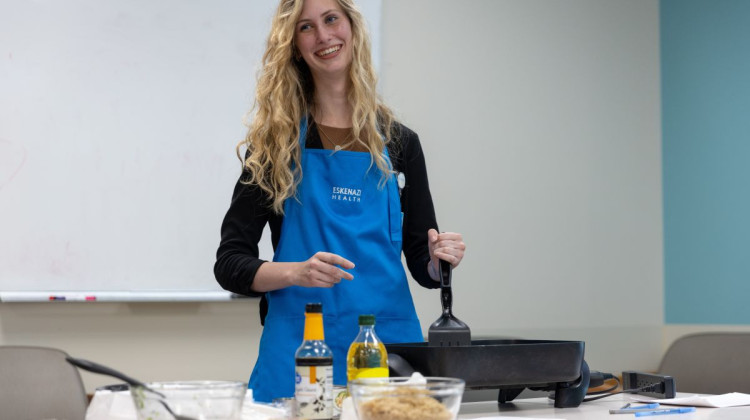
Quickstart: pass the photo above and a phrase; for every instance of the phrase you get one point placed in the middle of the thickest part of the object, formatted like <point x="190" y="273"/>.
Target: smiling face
<point x="323" y="37"/>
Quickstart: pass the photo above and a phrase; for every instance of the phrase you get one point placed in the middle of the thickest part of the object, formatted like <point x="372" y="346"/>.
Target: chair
<point x="709" y="363"/>
<point x="37" y="383"/>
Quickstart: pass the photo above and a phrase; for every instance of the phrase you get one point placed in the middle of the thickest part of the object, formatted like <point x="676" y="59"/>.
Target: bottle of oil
<point x="313" y="389"/>
<point x="367" y="357"/>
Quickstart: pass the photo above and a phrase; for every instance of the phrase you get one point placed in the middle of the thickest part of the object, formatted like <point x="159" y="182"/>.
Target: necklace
<point x="336" y="146"/>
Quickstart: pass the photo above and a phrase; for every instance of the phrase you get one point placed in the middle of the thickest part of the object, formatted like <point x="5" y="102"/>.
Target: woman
<point x="334" y="176"/>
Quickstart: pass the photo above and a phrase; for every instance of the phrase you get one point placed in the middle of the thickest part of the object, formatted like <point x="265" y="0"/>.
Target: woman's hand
<point x="322" y="270"/>
<point x="448" y="246"/>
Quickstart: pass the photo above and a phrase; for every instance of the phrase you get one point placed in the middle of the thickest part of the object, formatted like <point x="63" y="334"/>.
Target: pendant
<point x="337" y="148"/>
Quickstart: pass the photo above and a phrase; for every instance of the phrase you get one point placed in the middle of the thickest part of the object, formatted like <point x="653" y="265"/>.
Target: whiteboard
<point x="118" y="121"/>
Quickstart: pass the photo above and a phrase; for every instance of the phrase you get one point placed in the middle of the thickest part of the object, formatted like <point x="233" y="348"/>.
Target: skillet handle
<point x="446" y="293"/>
<point x="398" y="366"/>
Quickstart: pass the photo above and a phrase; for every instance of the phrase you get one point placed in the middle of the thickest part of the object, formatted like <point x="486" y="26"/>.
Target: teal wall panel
<point x="705" y="61"/>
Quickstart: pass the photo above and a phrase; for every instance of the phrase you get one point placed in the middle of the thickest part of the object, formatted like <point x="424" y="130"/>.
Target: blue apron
<point x="341" y="210"/>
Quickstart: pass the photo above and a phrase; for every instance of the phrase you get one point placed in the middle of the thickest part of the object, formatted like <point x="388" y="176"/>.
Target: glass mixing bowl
<point x="196" y="399"/>
<point x="400" y="398"/>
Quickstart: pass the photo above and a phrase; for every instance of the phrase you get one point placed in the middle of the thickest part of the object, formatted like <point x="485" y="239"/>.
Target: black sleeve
<point x="237" y="257"/>
<point x="416" y="203"/>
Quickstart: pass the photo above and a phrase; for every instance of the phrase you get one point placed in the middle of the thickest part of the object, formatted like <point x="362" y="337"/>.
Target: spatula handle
<point x="445" y="273"/>
<point x="103" y="370"/>
<point x="446" y="293"/>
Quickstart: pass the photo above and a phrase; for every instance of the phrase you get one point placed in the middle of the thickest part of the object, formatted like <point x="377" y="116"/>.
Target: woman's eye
<point x="304" y="27"/>
<point x="331" y="18"/>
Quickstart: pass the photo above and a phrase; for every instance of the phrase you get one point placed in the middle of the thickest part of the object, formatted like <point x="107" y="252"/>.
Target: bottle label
<point x="314" y="391"/>
<point x="376" y="372"/>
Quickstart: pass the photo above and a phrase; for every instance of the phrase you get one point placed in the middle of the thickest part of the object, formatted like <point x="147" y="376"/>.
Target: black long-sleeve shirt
<point x="237" y="257"/>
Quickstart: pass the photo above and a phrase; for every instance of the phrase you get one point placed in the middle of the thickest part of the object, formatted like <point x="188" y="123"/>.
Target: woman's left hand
<point x="447" y="246"/>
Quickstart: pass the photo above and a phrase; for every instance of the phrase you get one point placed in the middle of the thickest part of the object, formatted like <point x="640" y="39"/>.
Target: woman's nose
<point x="323" y="33"/>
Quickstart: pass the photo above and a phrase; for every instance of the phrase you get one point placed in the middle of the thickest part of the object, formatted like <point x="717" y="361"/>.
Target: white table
<point x="593" y="410"/>
<point x="119" y="407"/>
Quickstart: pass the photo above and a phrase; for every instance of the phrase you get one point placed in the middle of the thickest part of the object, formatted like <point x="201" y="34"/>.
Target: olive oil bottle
<point x="313" y="387"/>
<point x="367" y="357"/>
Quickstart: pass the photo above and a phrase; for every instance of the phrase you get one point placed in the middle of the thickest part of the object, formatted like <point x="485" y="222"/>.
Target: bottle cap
<point x="314" y="308"/>
<point x="368" y="319"/>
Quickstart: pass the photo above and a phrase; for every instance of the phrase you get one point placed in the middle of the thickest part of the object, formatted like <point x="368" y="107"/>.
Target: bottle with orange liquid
<point x="313" y="389"/>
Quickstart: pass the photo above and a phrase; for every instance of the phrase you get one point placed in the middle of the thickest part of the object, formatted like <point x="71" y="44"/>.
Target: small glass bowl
<point x="196" y="399"/>
<point x="401" y="398"/>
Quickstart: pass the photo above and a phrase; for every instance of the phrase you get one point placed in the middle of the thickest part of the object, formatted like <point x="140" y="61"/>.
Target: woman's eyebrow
<point x="321" y="15"/>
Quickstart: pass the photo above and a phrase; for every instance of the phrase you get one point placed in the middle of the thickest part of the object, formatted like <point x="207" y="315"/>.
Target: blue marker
<point x="639" y="407"/>
<point x="667" y="411"/>
<point x="629" y="409"/>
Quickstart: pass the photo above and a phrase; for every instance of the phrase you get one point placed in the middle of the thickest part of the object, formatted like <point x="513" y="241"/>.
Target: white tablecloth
<point x="118" y="405"/>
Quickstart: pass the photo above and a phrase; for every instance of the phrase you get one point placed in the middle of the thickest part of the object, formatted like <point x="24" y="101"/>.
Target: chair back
<point x="709" y="363"/>
<point x="37" y="383"/>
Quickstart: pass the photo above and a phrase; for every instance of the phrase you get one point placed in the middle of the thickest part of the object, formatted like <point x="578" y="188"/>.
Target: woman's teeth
<point x="329" y="51"/>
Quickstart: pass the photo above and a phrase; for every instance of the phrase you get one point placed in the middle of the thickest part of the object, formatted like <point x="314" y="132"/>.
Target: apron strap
<point x="303" y="132"/>
<point x="395" y="216"/>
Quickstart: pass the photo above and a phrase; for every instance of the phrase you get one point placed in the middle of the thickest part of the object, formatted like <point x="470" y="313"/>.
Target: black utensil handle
<point x="446" y="298"/>
<point x="103" y="370"/>
<point x="446" y="293"/>
<point x="398" y="366"/>
<point x="445" y="273"/>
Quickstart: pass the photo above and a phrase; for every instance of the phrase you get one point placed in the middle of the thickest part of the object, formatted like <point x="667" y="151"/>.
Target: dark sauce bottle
<point x="313" y="361"/>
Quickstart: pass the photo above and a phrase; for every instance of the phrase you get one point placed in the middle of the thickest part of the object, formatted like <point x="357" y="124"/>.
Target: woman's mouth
<point x="328" y="51"/>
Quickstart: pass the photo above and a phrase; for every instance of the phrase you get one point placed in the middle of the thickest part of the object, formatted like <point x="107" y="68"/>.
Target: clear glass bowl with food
<point x="190" y="399"/>
<point x="400" y="398"/>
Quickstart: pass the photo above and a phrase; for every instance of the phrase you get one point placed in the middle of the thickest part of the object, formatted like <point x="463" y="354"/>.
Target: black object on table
<point x="507" y="365"/>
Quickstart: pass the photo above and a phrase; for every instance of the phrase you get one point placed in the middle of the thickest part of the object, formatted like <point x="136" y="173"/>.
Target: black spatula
<point x="448" y="330"/>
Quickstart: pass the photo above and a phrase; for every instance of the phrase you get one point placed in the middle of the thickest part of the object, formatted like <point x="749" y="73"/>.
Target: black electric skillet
<point x="506" y="364"/>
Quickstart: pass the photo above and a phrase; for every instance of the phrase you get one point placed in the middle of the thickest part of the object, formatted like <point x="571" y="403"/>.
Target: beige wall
<point x="540" y="121"/>
<point x="541" y="125"/>
<point x="150" y="341"/>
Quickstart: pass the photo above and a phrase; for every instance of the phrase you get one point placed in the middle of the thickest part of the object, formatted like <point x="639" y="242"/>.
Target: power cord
<point x="647" y="388"/>
<point x="597" y="379"/>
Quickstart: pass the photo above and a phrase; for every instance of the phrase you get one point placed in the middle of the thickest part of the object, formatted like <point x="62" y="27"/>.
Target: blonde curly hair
<point x="284" y="97"/>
